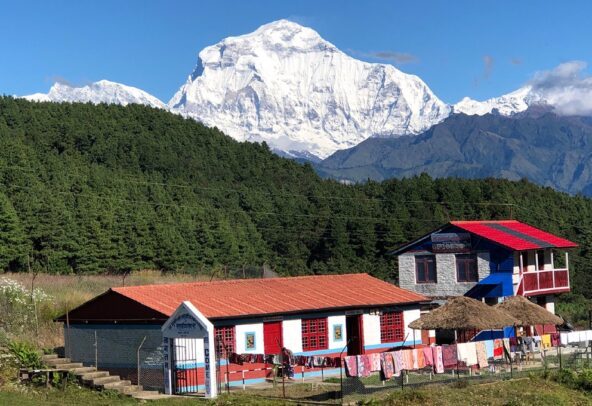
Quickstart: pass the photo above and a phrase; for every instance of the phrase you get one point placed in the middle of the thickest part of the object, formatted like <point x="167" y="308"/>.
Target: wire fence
<point x="338" y="389"/>
<point x="134" y="354"/>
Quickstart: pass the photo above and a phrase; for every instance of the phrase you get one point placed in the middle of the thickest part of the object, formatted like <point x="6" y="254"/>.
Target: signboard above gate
<point x="451" y="242"/>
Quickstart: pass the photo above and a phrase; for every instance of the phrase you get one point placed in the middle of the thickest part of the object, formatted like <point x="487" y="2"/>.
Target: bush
<point x="26" y="354"/>
<point x="19" y="307"/>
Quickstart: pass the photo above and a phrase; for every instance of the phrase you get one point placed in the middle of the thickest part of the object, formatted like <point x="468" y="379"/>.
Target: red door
<point x="272" y="337"/>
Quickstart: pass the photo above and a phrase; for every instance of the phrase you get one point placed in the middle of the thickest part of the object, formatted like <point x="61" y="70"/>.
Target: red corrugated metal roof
<point x="257" y="297"/>
<point x="514" y="234"/>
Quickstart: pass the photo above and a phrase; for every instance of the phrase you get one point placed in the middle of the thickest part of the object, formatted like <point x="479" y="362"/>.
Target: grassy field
<point x="66" y="292"/>
<point x="528" y="391"/>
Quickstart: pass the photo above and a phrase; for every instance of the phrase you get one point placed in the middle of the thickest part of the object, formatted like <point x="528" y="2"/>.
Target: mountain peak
<point x="286" y="85"/>
<point x="103" y="91"/>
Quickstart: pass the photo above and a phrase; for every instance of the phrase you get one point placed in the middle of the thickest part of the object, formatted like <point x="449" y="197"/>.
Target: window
<point x="392" y="328"/>
<point x="425" y="269"/>
<point x="224" y="337"/>
<point x="541" y="259"/>
<point x="314" y="334"/>
<point x="466" y="268"/>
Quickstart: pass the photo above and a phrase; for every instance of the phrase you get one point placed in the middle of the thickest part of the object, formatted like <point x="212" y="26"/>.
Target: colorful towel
<point x="387" y="366"/>
<point x="438" y="363"/>
<point x="351" y="365"/>
<point x="364" y="366"/>
<point x="399" y="362"/>
<point x="481" y="354"/>
<point x="408" y="360"/>
<point x="374" y="362"/>
<point x="415" y="354"/>
<point x="546" y="340"/>
<point x="489" y="348"/>
<point x="498" y="348"/>
<point x="428" y="356"/>
<point x="449" y="356"/>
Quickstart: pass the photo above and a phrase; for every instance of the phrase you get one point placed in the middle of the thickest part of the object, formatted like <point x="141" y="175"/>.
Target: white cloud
<point x="567" y="88"/>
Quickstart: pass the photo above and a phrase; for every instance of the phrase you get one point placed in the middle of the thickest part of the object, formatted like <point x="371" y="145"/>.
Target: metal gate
<point x="185" y="365"/>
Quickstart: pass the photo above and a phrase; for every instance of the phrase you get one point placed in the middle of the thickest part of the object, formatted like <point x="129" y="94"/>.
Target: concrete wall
<point x="240" y="334"/>
<point x="447" y="284"/>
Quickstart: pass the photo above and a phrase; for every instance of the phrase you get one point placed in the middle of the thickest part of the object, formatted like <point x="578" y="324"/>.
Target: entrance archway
<point x="187" y="326"/>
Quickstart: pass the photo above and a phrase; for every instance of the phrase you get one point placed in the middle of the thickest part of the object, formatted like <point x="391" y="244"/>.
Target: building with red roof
<point x="324" y="316"/>
<point x="486" y="260"/>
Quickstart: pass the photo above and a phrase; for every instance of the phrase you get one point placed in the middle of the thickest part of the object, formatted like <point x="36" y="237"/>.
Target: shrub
<point x="26" y="354"/>
<point x="19" y="307"/>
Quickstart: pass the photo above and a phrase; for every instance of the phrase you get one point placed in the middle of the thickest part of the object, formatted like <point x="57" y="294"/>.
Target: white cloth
<point x="589" y="335"/>
<point x="467" y="353"/>
<point x="582" y="336"/>
<point x="573" y="337"/>
<point x="563" y="338"/>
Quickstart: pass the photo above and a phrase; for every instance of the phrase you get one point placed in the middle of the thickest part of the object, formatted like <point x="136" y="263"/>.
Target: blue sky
<point x="459" y="48"/>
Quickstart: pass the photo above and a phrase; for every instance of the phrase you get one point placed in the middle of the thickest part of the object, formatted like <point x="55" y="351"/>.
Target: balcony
<point x="544" y="282"/>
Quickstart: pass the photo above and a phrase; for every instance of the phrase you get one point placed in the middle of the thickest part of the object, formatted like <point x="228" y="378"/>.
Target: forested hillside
<point x="107" y="188"/>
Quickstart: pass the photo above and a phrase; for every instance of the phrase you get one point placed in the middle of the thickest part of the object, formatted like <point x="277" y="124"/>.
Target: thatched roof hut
<point x="464" y="313"/>
<point x="528" y="313"/>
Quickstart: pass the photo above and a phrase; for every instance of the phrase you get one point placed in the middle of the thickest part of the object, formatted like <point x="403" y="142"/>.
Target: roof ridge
<point x="238" y="281"/>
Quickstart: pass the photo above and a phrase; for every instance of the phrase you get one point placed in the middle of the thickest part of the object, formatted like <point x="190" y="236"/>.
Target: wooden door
<point x="355" y="334"/>
<point x="272" y="337"/>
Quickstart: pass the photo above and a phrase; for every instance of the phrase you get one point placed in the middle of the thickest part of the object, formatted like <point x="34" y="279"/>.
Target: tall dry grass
<point x="69" y="291"/>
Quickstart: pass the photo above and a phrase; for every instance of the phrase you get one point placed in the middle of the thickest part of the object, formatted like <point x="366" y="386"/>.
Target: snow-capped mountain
<point x="506" y="105"/>
<point x="102" y="91"/>
<point x="285" y="85"/>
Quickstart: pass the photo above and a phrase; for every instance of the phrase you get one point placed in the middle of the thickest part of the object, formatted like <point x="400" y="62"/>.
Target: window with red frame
<point x="224" y="337"/>
<point x="392" y="328"/>
<point x="314" y="334"/>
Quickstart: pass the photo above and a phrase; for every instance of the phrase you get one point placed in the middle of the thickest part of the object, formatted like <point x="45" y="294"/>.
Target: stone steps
<point x="82" y="370"/>
<point x="101" y="380"/>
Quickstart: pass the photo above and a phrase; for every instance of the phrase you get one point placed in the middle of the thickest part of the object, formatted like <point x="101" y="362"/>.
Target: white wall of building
<point x="240" y="333"/>
<point x="408" y="317"/>
<point x="333" y="321"/>
<point x="292" y="333"/>
<point x="371" y="323"/>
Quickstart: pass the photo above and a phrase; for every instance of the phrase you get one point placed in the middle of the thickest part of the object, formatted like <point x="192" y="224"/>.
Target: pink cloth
<point x="408" y="360"/>
<point x="481" y="354"/>
<point x="387" y="363"/>
<point x="398" y="361"/>
<point x="438" y="362"/>
<point x="374" y="362"/>
<point x="351" y="365"/>
<point x="428" y="356"/>
<point x="364" y="366"/>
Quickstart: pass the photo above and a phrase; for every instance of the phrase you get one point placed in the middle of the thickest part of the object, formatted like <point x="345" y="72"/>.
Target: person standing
<point x="287" y="363"/>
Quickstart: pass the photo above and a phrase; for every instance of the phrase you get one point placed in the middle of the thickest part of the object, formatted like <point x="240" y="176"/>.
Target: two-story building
<point x="486" y="260"/>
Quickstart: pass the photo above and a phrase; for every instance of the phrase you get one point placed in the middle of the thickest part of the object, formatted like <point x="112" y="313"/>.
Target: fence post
<point x="138" y="358"/>
<point x="96" y="352"/>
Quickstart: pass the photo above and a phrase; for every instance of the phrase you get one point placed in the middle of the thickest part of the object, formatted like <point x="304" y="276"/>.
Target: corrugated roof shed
<point x="259" y="297"/>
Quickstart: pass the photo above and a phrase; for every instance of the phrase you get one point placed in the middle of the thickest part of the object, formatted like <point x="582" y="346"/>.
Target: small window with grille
<point x="392" y="329"/>
<point x="224" y="341"/>
<point x="314" y="334"/>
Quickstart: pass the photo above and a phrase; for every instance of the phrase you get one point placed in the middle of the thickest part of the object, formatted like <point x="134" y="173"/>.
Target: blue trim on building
<point x="319" y="352"/>
<point x="391" y="345"/>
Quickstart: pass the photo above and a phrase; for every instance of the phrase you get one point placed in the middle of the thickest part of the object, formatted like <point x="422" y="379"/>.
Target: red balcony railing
<point x="548" y="281"/>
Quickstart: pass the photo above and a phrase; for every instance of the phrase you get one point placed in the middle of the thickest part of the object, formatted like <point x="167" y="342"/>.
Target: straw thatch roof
<point x="463" y="313"/>
<point x="528" y="313"/>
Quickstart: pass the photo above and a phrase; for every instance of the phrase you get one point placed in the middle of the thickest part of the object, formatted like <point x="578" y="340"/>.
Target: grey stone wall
<point x="447" y="284"/>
